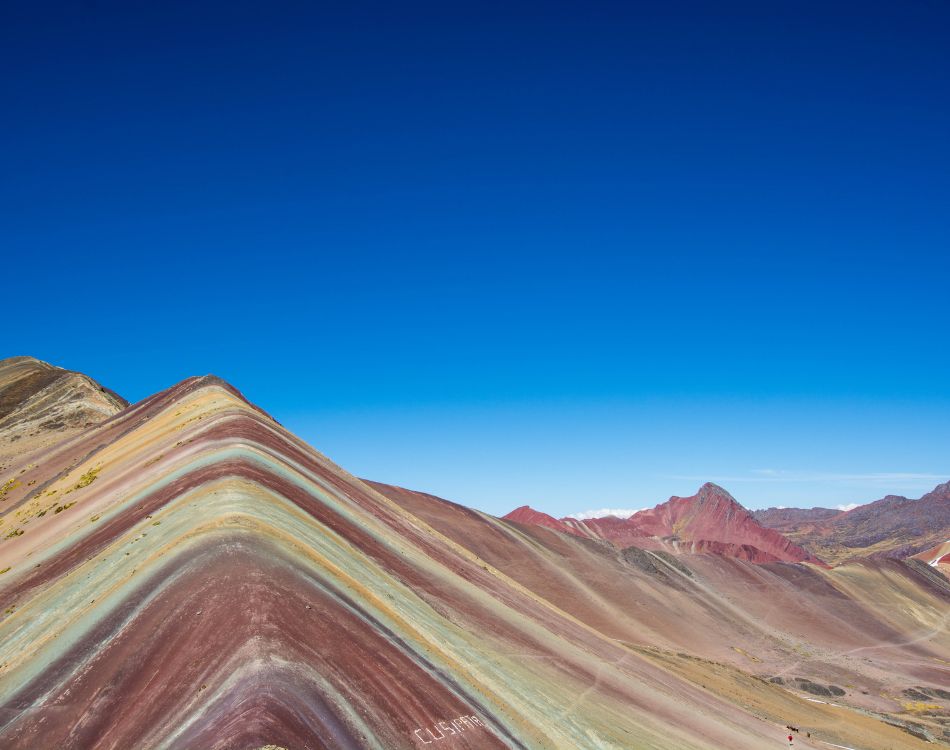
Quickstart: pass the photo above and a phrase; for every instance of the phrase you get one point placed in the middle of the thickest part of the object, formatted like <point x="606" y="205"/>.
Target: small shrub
<point x="88" y="478"/>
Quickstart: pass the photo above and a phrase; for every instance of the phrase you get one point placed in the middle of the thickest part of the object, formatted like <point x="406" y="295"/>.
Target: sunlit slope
<point x="871" y="629"/>
<point x="41" y="404"/>
<point x="190" y="575"/>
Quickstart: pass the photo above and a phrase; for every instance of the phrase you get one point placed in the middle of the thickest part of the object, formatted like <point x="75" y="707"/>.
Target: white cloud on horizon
<point x="602" y="512"/>
<point x="781" y="475"/>
<point x="924" y="480"/>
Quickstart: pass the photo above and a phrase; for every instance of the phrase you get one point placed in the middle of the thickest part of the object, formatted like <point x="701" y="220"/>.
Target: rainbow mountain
<point x="186" y="574"/>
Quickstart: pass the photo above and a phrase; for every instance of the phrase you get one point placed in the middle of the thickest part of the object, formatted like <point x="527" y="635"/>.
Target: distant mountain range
<point x="894" y="526"/>
<point x="712" y="521"/>
<point x="184" y="573"/>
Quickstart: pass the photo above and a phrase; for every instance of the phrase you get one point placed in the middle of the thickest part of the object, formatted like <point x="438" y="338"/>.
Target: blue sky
<point x="576" y="255"/>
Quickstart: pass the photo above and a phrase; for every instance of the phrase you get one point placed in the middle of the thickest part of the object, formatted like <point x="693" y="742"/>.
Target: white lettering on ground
<point x="440" y="730"/>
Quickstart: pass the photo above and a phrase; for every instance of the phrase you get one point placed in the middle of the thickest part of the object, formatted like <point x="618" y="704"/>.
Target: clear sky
<point x="574" y="255"/>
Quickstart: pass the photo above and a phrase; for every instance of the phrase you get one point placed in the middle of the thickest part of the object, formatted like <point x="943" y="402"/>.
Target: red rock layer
<point x="528" y="515"/>
<point x="711" y="521"/>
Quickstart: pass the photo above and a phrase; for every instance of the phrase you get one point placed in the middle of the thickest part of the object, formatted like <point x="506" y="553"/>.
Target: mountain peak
<point x="714" y="488"/>
<point x="41" y="404"/>
<point x="711" y="521"/>
<point x="23" y="359"/>
<point x="941" y="490"/>
<point x="711" y="492"/>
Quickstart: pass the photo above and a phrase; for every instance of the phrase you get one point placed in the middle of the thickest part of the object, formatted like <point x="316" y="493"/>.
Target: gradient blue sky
<point x="572" y="255"/>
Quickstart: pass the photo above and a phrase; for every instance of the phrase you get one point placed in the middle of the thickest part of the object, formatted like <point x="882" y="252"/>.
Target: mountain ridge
<point x="711" y="521"/>
<point x="40" y="404"/>
<point x="893" y="525"/>
<point x="192" y="500"/>
<point x="188" y="573"/>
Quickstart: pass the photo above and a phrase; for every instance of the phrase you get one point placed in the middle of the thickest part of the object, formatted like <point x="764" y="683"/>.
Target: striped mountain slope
<point x="188" y="575"/>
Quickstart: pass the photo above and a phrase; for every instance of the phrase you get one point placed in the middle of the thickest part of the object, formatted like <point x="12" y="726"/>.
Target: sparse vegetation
<point x="10" y="484"/>
<point x="88" y="478"/>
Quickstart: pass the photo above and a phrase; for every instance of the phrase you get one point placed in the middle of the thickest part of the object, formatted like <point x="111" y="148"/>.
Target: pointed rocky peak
<point x="711" y="489"/>
<point x="711" y="521"/>
<point x="711" y="498"/>
<point x="709" y="494"/>
<point x="200" y="382"/>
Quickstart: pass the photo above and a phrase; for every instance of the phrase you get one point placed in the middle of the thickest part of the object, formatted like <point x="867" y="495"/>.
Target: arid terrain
<point x="893" y="526"/>
<point x="184" y="573"/>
